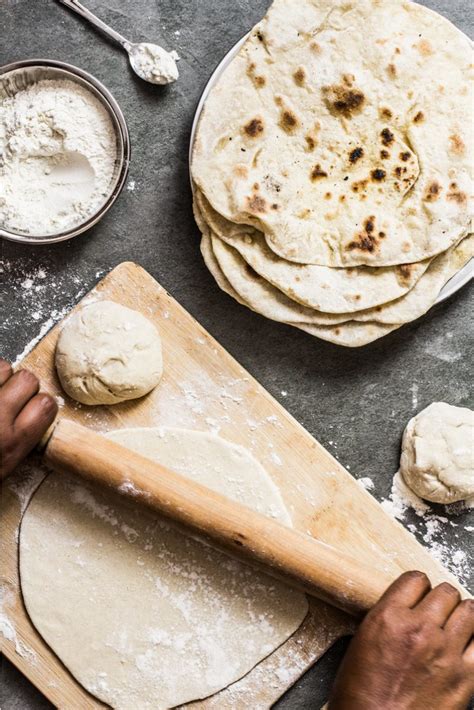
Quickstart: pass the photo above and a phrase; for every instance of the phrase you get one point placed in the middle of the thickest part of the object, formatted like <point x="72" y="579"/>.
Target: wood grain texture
<point x="293" y="557"/>
<point x="203" y="387"/>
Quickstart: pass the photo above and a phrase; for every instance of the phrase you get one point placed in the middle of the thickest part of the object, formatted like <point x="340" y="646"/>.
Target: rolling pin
<point x="290" y="556"/>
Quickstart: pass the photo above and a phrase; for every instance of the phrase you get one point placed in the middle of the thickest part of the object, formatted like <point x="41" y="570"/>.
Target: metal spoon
<point x="149" y="61"/>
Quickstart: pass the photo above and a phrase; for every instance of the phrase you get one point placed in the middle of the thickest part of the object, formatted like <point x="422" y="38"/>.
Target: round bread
<point x="437" y="453"/>
<point x="107" y="353"/>
<point x="264" y="298"/>
<point x="332" y="290"/>
<point x="342" y="131"/>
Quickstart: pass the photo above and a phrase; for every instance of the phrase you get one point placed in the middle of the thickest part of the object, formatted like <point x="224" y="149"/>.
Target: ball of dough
<point x="107" y="353"/>
<point x="437" y="453"/>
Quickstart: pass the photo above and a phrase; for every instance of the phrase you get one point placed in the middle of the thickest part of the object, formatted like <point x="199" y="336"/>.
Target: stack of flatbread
<point x="332" y="166"/>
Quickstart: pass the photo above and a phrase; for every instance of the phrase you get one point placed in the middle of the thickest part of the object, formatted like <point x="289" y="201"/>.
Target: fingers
<point x="460" y="627"/>
<point x="34" y="420"/>
<point x="27" y="431"/>
<point x="5" y="371"/>
<point x="16" y="392"/>
<point x="407" y="591"/>
<point x="438" y="604"/>
<point x="469" y="655"/>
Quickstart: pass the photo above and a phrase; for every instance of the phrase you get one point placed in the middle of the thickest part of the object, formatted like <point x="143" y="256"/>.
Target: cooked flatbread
<point x="350" y="334"/>
<point x="332" y="290"/>
<point x="265" y="299"/>
<point x="261" y="296"/>
<point x="213" y="266"/>
<point x="342" y="132"/>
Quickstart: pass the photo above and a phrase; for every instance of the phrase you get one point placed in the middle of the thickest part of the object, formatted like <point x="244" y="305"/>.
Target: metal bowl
<point x="20" y="75"/>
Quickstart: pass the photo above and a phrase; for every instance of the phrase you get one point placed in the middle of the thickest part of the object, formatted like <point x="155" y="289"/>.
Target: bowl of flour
<point x="64" y="151"/>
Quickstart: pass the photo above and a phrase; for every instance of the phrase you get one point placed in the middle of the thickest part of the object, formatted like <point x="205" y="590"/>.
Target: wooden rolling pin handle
<point x="292" y="557"/>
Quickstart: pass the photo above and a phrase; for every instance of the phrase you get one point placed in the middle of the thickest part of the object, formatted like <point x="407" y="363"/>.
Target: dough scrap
<point x="437" y="460"/>
<point x="141" y="615"/>
<point x="107" y="353"/>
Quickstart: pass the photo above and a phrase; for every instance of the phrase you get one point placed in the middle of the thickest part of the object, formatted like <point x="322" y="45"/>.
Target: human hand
<point x="25" y="415"/>
<point x="413" y="651"/>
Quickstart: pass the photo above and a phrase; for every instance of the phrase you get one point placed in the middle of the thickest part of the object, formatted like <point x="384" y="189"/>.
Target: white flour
<point x="431" y="528"/>
<point x="57" y="157"/>
<point x="154" y="64"/>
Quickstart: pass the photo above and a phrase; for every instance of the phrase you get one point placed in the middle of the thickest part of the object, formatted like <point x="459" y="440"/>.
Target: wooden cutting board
<point x="203" y="387"/>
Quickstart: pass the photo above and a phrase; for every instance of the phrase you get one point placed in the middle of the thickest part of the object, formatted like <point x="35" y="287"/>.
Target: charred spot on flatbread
<point x="384" y="154"/>
<point x="456" y="195"/>
<point x="385" y="113"/>
<point x="343" y="100"/>
<point x="255" y="127"/>
<point x="299" y="77"/>
<point x="405" y="156"/>
<point x="258" y="80"/>
<point x="433" y="192"/>
<point x="359" y="186"/>
<point x="378" y="175"/>
<point x="288" y="121"/>
<point x="317" y="173"/>
<point x="387" y="136"/>
<point x="419" y="117"/>
<point x="366" y="241"/>
<point x="404" y="272"/>
<point x="356" y="155"/>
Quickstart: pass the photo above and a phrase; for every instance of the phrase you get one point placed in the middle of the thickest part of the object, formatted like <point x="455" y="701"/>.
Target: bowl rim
<point x="123" y="157"/>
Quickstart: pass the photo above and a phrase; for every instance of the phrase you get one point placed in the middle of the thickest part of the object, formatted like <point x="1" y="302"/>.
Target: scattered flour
<point x="45" y="328"/>
<point x="36" y="299"/>
<point x="130" y="489"/>
<point x="7" y="629"/>
<point x="429" y="527"/>
<point x="83" y="497"/>
<point x="26" y="480"/>
<point x="366" y="483"/>
<point x="442" y="347"/>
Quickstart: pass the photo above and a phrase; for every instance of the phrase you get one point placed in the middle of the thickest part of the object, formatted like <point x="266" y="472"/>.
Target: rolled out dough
<point x="141" y="615"/>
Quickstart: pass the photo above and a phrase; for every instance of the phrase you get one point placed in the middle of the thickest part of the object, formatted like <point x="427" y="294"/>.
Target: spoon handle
<point x="78" y="7"/>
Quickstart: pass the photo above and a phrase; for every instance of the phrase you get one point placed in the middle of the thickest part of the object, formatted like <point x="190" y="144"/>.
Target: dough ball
<point x="107" y="353"/>
<point x="437" y="453"/>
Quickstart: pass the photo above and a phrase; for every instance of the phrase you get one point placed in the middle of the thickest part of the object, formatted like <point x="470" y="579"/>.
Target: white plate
<point x="463" y="276"/>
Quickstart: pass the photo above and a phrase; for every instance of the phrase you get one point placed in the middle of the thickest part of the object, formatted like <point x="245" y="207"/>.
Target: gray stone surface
<point x="355" y="402"/>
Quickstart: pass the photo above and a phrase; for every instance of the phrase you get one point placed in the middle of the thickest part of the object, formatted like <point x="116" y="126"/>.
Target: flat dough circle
<point x="141" y="615"/>
<point x="437" y="457"/>
<point x="107" y="353"/>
